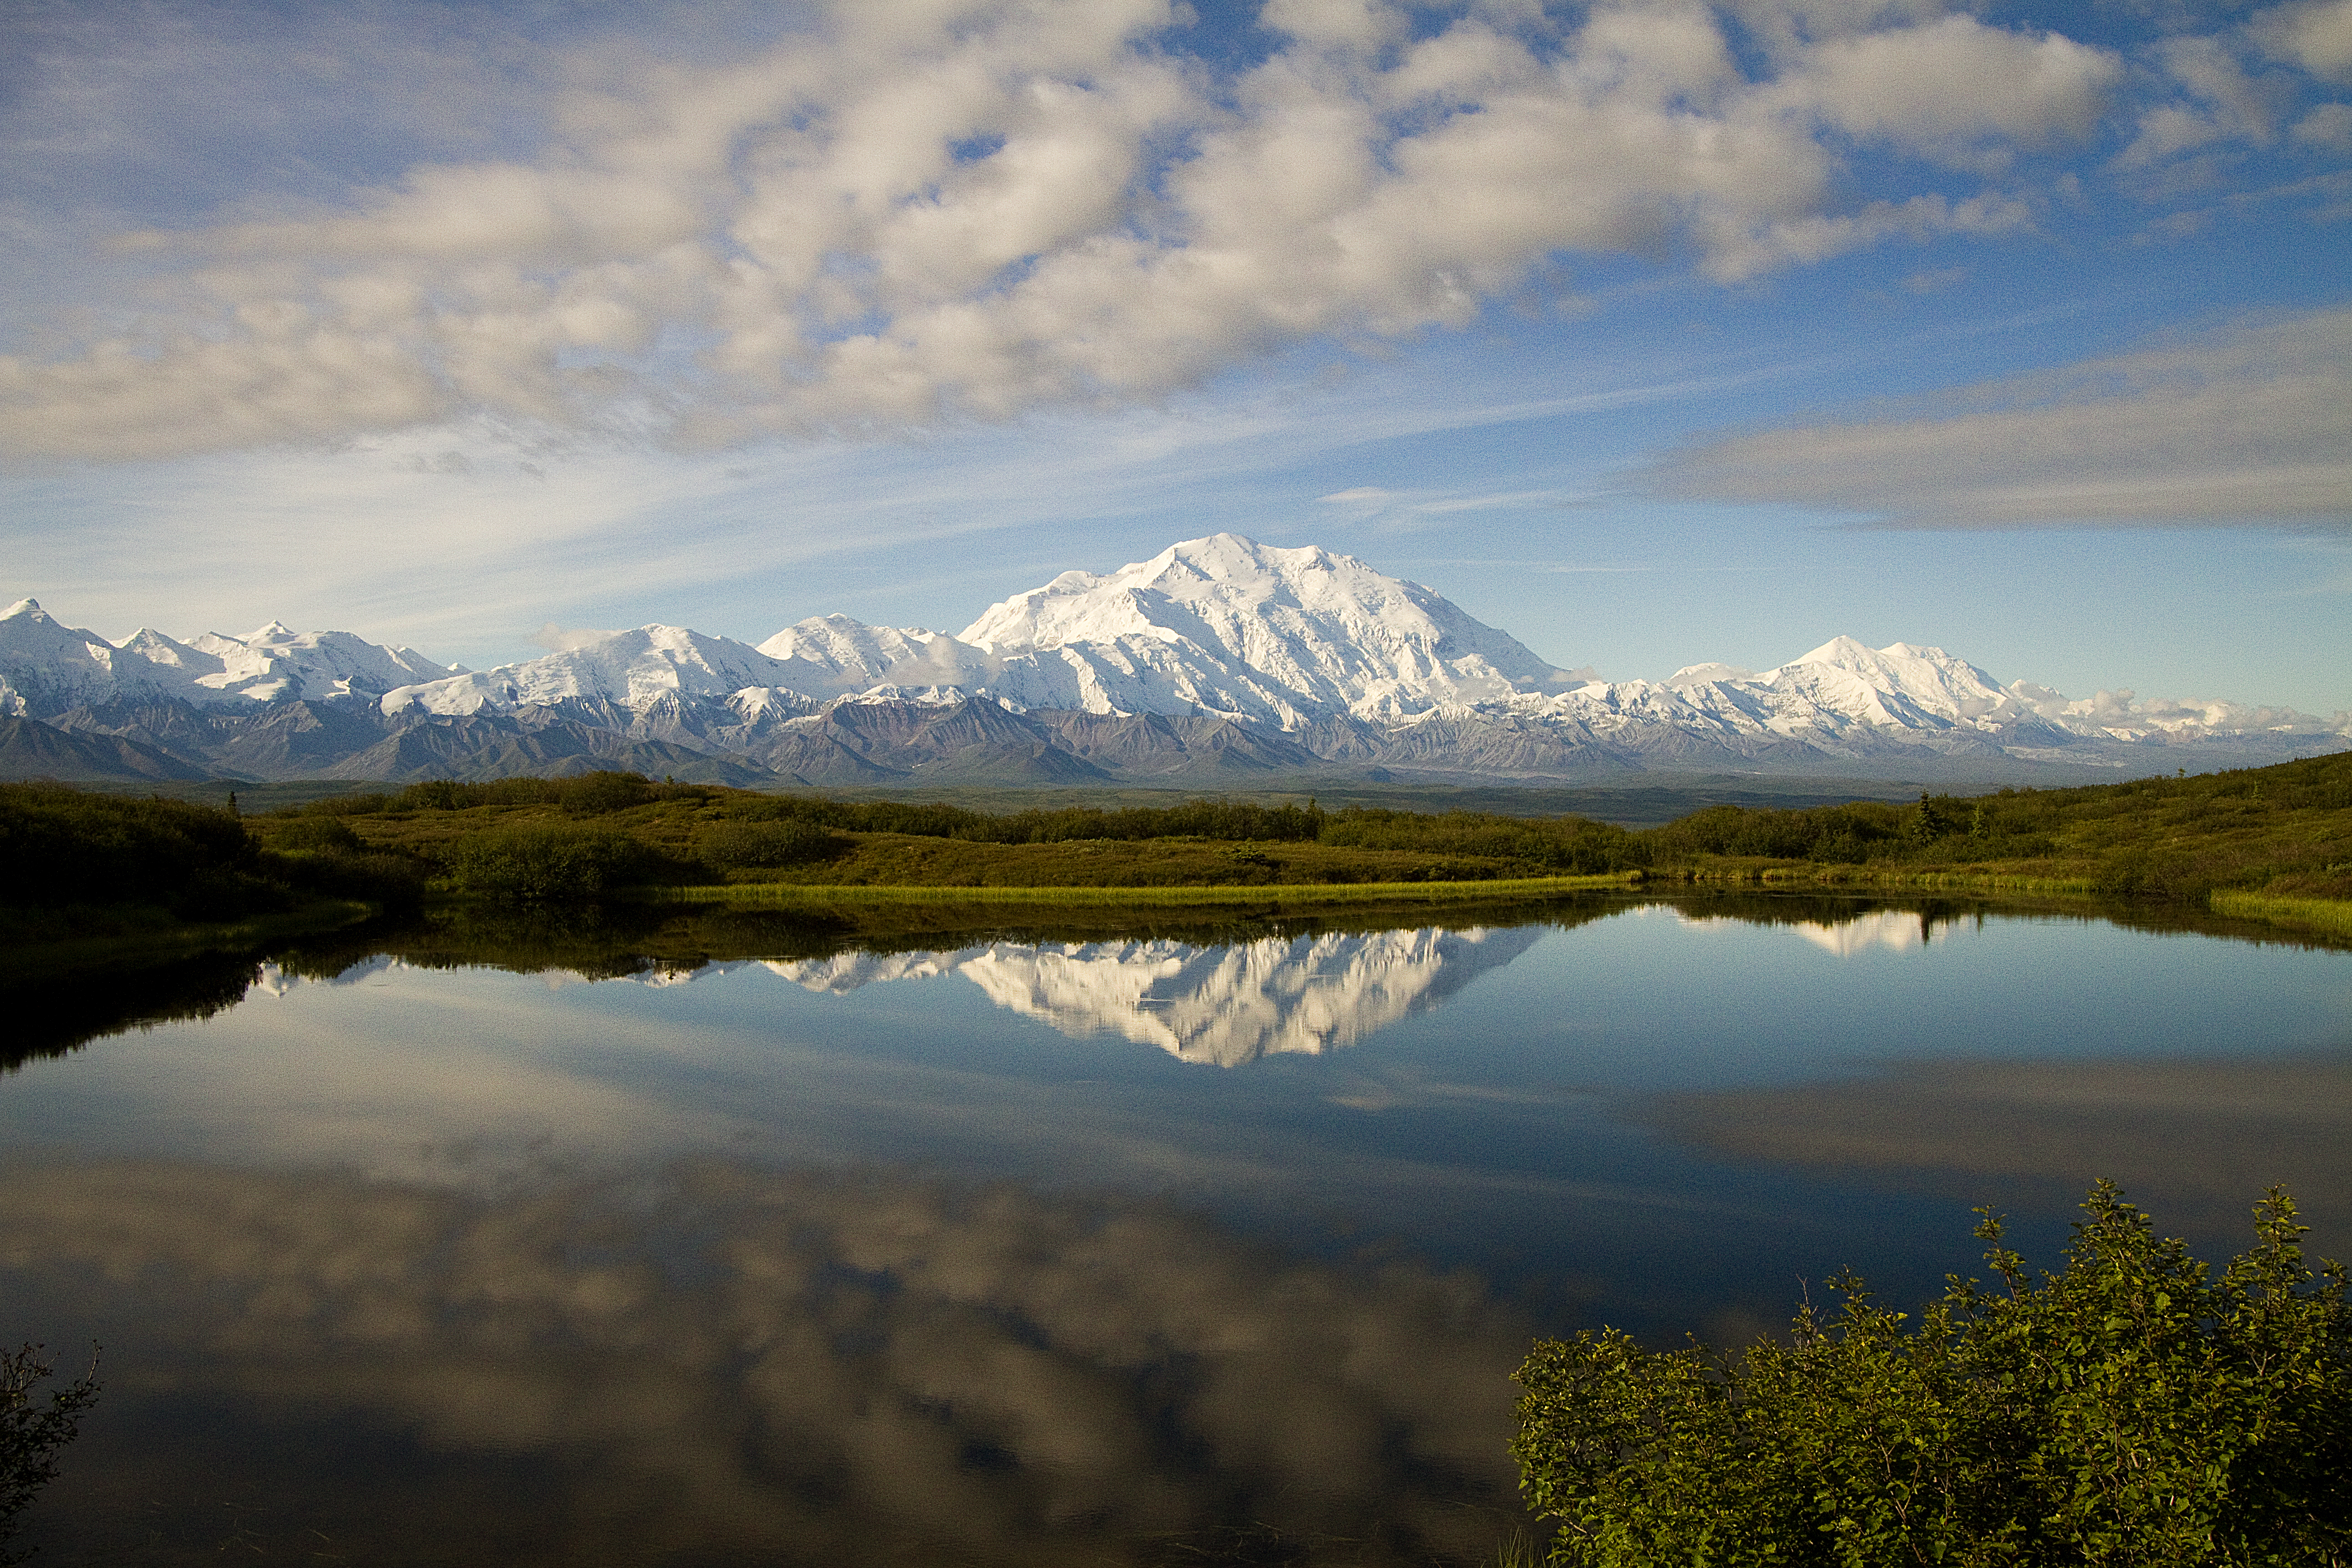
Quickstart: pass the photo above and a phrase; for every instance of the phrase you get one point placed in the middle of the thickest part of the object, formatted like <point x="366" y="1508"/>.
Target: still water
<point x="1025" y="1248"/>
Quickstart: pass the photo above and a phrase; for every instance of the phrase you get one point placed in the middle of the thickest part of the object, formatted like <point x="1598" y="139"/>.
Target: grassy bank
<point x="2329" y="917"/>
<point x="1281" y="896"/>
<point x="2270" y="845"/>
<point x="93" y="884"/>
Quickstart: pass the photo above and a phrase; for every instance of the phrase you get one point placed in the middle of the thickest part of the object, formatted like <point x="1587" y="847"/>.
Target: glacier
<point x="1218" y="660"/>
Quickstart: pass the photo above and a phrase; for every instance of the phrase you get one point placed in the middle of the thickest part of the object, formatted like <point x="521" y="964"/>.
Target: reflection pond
<point x="746" y="1240"/>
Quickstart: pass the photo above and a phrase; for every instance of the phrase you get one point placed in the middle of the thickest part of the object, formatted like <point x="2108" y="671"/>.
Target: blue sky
<point x="1653" y="333"/>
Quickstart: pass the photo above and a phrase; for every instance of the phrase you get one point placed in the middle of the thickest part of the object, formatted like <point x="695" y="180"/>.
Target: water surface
<point x="1026" y="1247"/>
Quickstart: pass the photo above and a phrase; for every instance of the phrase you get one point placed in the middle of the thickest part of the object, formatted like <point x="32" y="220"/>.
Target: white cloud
<point x="977" y="207"/>
<point x="1935" y="279"/>
<point x="2252" y="425"/>
<point x="1956" y="89"/>
<point x="2328" y="126"/>
<point x="2315" y="34"/>
<point x="2225" y="102"/>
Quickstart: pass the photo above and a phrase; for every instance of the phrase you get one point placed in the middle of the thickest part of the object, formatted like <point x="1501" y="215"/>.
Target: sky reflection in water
<point x="1043" y="1251"/>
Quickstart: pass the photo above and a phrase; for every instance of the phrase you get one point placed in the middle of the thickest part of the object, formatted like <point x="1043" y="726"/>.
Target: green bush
<point x="59" y="844"/>
<point x="2128" y="1410"/>
<point x="540" y="865"/>
<point x="32" y="1431"/>
<point x="361" y="804"/>
<point x="60" y="847"/>
<point x="449" y="794"/>
<point x="728" y="845"/>
<point x="311" y="835"/>
<point x="373" y="876"/>
<point x="598" y="793"/>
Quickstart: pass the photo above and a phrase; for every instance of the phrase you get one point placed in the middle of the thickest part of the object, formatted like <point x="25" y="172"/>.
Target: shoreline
<point x="1193" y="896"/>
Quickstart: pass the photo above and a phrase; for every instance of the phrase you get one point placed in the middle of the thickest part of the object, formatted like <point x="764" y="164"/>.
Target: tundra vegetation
<point x="2268" y="844"/>
<point x="2133" y="1408"/>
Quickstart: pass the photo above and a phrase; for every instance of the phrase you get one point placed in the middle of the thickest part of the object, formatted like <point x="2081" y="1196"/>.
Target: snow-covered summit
<point x="1227" y="625"/>
<point x="834" y="655"/>
<point x="1215" y="655"/>
<point x="47" y="667"/>
<point x="1899" y="687"/>
<point x="276" y="662"/>
<point x="631" y="669"/>
<point x="1706" y="674"/>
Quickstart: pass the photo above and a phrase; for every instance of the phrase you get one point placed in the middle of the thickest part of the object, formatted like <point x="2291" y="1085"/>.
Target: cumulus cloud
<point x="2329" y="126"/>
<point x="2222" y="100"/>
<point x="2315" y="34"/>
<point x="2234" y="89"/>
<point x="2252" y="425"/>
<point x="978" y="207"/>
<point x="1957" y="89"/>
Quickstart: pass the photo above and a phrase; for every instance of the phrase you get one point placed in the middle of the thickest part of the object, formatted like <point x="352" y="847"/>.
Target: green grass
<point x="2273" y="844"/>
<point x="2277" y="840"/>
<point x="1285" y="895"/>
<point x="2331" y="917"/>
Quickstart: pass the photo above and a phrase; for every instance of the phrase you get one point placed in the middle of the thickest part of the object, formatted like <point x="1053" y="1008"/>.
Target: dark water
<point x="1018" y="1250"/>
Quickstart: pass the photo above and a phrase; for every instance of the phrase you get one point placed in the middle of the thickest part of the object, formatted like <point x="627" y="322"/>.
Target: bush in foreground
<point x="541" y="865"/>
<point x="2130" y="1409"/>
<point x="60" y="845"/>
<point x="33" y="1430"/>
<point x="732" y="845"/>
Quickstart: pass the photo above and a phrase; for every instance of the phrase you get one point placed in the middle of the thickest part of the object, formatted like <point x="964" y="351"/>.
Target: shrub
<point x="595" y="794"/>
<point x="60" y="848"/>
<point x="362" y="804"/>
<point x="728" y="845"/>
<point x="373" y="875"/>
<point x="449" y="794"/>
<point x="32" y="1431"/>
<point x="2130" y="1409"/>
<point x="433" y="794"/>
<point x="540" y="865"/>
<point x="60" y="845"/>
<point x="311" y="835"/>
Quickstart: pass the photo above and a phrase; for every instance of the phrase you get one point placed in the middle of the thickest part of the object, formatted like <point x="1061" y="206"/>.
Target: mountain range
<point x="1218" y="661"/>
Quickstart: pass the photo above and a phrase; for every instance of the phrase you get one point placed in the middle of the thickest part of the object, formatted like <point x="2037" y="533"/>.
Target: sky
<point x="1653" y="333"/>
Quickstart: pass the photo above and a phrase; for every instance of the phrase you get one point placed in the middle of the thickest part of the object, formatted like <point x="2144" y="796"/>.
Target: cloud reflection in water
<point x="867" y="1367"/>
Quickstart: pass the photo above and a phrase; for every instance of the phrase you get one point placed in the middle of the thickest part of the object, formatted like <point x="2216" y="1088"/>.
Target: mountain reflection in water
<point x="686" y="1237"/>
<point x="1224" y="1005"/>
<point x="732" y="1362"/>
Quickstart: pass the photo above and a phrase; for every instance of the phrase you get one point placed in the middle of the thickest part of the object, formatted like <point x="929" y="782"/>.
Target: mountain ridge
<point x="1218" y="660"/>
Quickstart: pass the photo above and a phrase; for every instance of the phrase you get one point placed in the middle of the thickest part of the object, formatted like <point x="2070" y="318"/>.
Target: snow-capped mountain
<point x="1225" y="624"/>
<point x="1218" y="658"/>
<point x="1220" y="626"/>
<point x="832" y="656"/>
<point x="47" y="667"/>
<point x="631" y="669"/>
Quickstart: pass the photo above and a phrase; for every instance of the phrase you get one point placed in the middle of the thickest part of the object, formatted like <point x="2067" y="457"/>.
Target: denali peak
<point x="1217" y="659"/>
